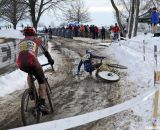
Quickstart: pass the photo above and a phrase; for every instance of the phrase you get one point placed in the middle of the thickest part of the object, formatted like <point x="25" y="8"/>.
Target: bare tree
<point x="3" y="4"/>
<point x="13" y="11"/>
<point x="137" y="5"/>
<point x="131" y="18"/>
<point x="38" y="7"/>
<point x="130" y="11"/>
<point x="77" y="12"/>
<point x="117" y="16"/>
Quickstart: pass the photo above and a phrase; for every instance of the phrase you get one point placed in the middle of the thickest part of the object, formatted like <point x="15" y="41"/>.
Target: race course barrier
<point x="79" y="120"/>
<point x="8" y="53"/>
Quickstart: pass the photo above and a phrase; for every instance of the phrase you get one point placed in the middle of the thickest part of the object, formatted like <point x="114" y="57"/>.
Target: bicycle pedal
<point x="34" y="112"/>
<point x="45" y="113"/>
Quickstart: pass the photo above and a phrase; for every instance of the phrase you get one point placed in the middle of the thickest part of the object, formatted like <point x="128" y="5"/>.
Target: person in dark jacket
<point x="87" y="61"/>
<point x="154" y="19"/>
<point x="103" y="31"/>
<point x="50" y="32"/>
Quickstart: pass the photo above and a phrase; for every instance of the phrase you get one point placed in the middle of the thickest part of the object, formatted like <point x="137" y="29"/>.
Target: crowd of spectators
<point x="88" y="31"/>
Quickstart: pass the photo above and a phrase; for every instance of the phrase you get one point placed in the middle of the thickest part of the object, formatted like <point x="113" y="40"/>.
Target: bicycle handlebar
<point x="48" y="64"/>
<point x="45" y="64"/>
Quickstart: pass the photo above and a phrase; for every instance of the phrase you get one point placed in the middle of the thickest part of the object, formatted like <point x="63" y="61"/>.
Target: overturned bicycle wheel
<point x="108" y="76"/>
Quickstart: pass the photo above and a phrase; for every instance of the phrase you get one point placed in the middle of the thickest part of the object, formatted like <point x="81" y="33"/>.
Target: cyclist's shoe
<point x="43" y="108"/>
<point x="31" y="94"/>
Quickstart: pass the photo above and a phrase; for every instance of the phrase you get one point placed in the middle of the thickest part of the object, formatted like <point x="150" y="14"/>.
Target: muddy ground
<point x="72" y="96"/>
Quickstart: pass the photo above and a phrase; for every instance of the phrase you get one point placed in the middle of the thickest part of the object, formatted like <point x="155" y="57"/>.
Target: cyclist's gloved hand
<point x="51" y="61"/>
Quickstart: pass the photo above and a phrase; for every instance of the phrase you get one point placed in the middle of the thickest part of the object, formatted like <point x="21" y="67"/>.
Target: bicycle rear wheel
<point x="117" y="66"/>
<point x="29" y="110"/>
<point x="108" y="76"/>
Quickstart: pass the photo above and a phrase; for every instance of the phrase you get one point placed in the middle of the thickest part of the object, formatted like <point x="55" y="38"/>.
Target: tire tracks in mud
<point x="10" y="116"/>
<point x="95" y="95"/>
<point x="73" y="97"/>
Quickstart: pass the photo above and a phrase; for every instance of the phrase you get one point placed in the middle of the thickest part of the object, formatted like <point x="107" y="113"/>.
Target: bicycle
<point x="107" y="73"/>
<point x="30" y="111"/>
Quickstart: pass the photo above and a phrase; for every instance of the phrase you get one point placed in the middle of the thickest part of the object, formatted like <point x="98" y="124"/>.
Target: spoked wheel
<point x="108" y="76"/>
<point x="29" y="112"/>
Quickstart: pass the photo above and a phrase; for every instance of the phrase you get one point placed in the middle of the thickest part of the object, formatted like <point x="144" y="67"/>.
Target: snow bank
<point x="11" y="33"/>
<point x="16" y="80"/>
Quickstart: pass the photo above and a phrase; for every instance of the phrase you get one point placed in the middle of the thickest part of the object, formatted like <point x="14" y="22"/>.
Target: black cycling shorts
<point x="36" y="70"/>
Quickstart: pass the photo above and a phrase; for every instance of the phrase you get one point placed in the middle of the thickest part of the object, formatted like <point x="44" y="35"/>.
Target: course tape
<point x="79" y="120"/>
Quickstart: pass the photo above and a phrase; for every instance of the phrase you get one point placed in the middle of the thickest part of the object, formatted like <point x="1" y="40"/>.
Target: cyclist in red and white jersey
<point x="28" y="62"/>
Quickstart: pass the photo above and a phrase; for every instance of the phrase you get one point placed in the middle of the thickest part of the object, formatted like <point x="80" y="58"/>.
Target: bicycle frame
<point x="26" y="99"/>
<point x="107" y="72"/>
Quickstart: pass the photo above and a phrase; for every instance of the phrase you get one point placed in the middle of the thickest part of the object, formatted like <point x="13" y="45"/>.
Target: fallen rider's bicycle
<point x="108" y="72"/>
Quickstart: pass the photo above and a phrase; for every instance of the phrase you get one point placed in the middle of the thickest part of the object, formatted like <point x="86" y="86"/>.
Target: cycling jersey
<point x="27" y="51"/>
<point x="87" y="61"/>
<point x="27" y="58"/>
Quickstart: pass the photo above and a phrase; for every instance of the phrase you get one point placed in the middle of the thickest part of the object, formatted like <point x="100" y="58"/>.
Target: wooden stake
<point x="144" y="52"/>
<point x="155" y="53"/>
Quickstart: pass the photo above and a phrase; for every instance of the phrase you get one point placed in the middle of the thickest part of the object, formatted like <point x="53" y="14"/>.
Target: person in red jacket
<point x="116" y="31"/>
<point x="96" y="31"/>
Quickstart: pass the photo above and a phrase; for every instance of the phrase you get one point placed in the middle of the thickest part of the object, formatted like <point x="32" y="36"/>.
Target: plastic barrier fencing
<point x="75" y="121"/>
<point x="67" y="33"/>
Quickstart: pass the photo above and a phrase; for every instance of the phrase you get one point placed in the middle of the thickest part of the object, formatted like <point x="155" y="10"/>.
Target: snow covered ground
<point x="131" y="54"/>
<point x="11" y="33"/>
<point x="128" y="53"/>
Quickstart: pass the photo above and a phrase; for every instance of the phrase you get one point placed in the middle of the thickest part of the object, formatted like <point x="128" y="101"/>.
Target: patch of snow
<point x="11" y="33"/>
<point x="16" y="80"/>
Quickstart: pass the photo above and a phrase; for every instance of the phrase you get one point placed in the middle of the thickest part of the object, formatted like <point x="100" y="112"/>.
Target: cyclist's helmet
<point x="29" y="31"/>
<point x="89" y="51"/>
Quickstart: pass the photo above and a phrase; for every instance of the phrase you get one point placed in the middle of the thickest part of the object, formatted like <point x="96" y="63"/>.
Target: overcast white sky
<point x="101" y="13"/>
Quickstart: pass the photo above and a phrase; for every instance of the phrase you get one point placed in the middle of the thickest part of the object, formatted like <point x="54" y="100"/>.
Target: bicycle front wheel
<point x="29" y="112"/>
<point x="108" y="76"/>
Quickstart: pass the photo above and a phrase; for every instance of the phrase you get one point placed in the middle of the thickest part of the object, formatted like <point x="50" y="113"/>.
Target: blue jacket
<point x="155" y="17"/>
<point x="87" y="61"/>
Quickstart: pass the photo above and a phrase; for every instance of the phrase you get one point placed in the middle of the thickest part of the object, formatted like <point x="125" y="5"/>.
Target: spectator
<point x="103" y="33"/>
<point x="93" y="32"/>
<point x="50" y="32"/>
<point x="22" y="26"/>
<point x="96" y="30"/>
<point x="154" y="20"/>
<point x="45" y="30"/>
<point x="116" y="31"/>
<point x="82" y="29"/>
<point x="76" y="28"/>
